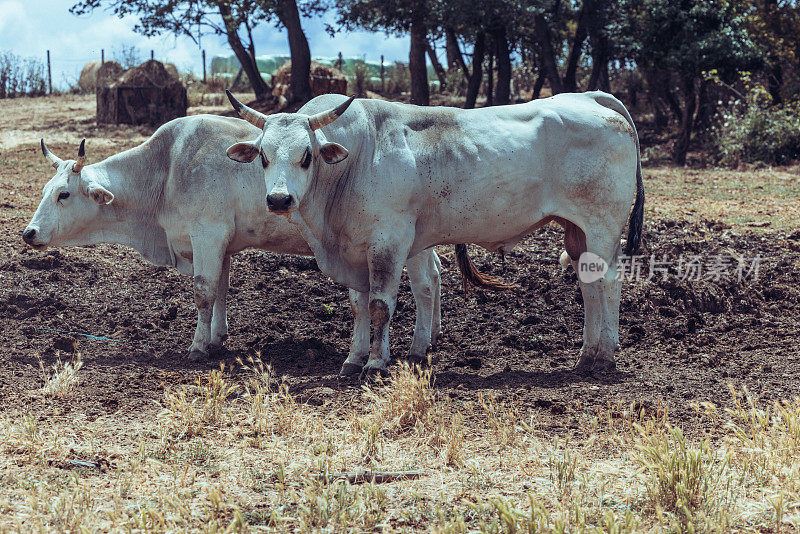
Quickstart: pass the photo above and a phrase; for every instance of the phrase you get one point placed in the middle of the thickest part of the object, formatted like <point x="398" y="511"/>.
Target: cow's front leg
<point x="208" y="258"/>
<point x="424" y="280"/>
<point x="385" y="270"/>
<point x="359" y="345"/>
<point x="219" y="317"/>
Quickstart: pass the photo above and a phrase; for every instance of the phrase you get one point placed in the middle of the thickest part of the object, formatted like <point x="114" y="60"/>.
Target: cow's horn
<point x="51" y="158"/>
<point x="326" y="117"/>
<point x="78" y="165"/>
<point x="250" y="115"/>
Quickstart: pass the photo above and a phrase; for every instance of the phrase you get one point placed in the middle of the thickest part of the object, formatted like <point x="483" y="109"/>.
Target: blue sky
<point x="30" y="27"/>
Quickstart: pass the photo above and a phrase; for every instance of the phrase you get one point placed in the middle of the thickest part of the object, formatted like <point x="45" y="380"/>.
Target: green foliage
<point x="691" y="36"/>
<point x="751" y="130"/>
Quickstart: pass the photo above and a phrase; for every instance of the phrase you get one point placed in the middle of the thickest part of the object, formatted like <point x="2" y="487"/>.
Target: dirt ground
<point x="683" y="341"/>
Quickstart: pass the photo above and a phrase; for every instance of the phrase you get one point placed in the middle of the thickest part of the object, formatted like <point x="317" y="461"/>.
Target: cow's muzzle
<point x="279" y="202"/>
<point x="29" y="236"/>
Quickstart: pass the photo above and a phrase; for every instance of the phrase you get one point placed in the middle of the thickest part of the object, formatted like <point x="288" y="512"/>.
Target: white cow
<point x="387" y="180"/>
<point x="179" y="202"/>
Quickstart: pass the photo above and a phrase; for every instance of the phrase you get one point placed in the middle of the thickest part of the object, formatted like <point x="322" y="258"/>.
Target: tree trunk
<point x="502" y="94"/>
<point x="260" y="87"/>
<point x="702" y="119"/>
<point x="570" y="77"/>
<point x="542" y="33"/>
<point x="537" y="86"/>
<point x="598" y="79"/>
<point x="490" y="79"/>
<point x="455" y="59"/>
<point x="687" y="120"/>
<point x="476" y="76"/>
<point x="659" y="84"/>
<point x="437" y="67"/>
<point x="300" y="84"/>
<point x="775" y="80"/>
<point x="420" y="93"/>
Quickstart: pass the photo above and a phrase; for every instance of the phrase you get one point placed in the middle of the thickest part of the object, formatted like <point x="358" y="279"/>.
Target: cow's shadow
<point x="552" y="379"/>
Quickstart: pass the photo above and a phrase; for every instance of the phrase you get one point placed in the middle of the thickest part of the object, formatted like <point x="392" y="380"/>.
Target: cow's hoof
<point x="218" y="342"/>
<point x="216" y="347"/>
<point x="435" y="340"/>
<point x="373" y="375"/>
<point x="423" y="361"/>
<point x="604" y="366"/>
<point x="197" y="356"/>
<point x="350" y="370"/>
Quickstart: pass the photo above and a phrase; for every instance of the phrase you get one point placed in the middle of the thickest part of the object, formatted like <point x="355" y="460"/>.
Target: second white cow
<point x="180" y="202"/>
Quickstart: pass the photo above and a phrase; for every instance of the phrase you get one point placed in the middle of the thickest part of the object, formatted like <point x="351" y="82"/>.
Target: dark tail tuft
<point x="636" y="220"/>
<point x="472" y="275"/>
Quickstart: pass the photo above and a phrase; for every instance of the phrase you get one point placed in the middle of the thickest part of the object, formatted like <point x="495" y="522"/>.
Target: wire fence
<point x="34" y="76"/>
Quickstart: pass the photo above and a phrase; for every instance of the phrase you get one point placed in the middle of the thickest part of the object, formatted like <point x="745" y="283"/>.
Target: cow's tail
<point x="470" y="274"/>
<point x="636" y="219"/>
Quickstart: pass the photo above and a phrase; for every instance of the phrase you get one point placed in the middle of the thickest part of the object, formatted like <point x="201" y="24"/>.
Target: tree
<point x="774" y="25"/>
<point x="680" y="40"/>
<point x="231" y="18"/>
<point x="399" y="17"/>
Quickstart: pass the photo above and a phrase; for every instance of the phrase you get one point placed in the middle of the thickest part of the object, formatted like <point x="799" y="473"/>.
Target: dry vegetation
<point x="236" y="452"/>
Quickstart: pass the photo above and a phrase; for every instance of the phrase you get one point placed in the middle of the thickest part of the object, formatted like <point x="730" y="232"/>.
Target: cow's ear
<point x="243" y="152"/>
<point x="333" y="153"/>
<point x="100" y="194"/>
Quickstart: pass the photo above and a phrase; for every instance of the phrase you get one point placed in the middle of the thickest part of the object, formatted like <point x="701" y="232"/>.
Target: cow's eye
<point x="264" y="161"/>
<point x="306" y="160"/>
<point x="63" y="195"/>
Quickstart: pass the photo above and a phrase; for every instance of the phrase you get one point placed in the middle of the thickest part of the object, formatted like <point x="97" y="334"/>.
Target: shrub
<point x="21" y="76"/>
<point x="398" y="79"/>
<point x="752" y="130"/>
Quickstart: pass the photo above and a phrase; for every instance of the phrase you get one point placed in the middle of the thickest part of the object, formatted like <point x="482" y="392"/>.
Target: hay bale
<point x="172" y="70"/>
<point x="324" y="80"/>
<point x="146" y="94"/>
<point x="94" y="74"/>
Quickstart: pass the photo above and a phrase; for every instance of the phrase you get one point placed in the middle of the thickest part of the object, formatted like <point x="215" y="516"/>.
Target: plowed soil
<point x="683" y="341"/>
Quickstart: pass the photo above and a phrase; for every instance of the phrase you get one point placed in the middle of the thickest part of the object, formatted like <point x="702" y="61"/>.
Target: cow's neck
<point x="321" y="221"/>
<point x="136" y="177"/>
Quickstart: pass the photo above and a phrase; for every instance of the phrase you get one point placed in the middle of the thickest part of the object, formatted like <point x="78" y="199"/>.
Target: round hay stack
<point x="94" y="75"/>
<point x="172" y="70"/>
<point x="146" y="94"/>
<point x="324" y="80"/>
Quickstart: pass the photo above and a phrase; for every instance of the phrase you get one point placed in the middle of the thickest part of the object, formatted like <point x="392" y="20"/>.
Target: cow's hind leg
<point x="385" y="269"/>
<point x="424" y="278"/>
<point x="359" y="345"/>
<point x="600" y="296"/>
<point x="208" y="258"/>
<point x="219" y="317"/>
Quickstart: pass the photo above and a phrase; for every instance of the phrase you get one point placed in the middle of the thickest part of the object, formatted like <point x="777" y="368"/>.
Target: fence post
<point x="49" y="74"/>
<point x="152" y="55"/>
<point x="204" y="66"/>
<point x="102" y="57"/>
<point x="383" y="86"/>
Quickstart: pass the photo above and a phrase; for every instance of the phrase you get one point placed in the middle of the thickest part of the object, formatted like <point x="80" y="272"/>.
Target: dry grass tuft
<point x="61" y="380"/>
<point x="405" y="402"/>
